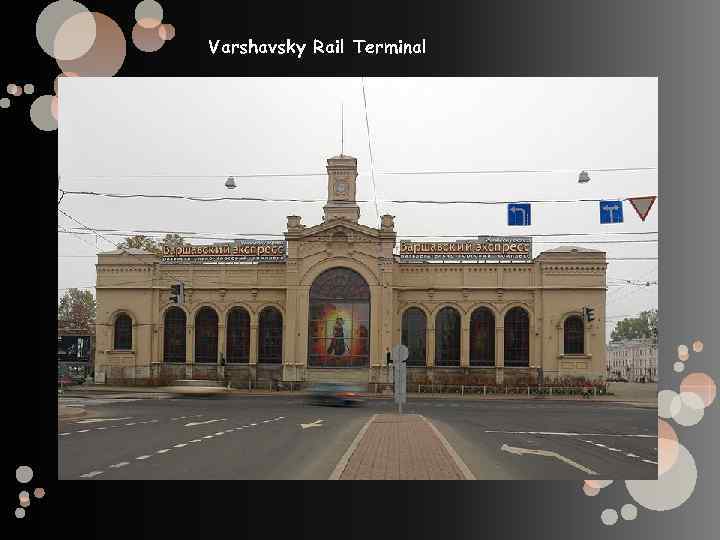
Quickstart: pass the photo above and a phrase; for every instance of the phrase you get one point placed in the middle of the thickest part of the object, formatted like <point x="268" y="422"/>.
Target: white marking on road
<point x="196" y="440"/>
<point x="572" y="434"/>
<point x="600" y="445"/>
<point x="180" y="445"/>
<point x="631" y="455"/>
<point x="253" y="424"/>
<point x="63" y="434"/>
<point x="340" y="467"/>
<point x="316" y="423"/>
<point x="521" y="451"/>
<point x="614" y="449"/>
<point x="91" y="474"/>
<point x="142" y="457"/>
<point x="208" y="437"/>
<point x="459" y="463"/>
<point x="83" y="431"/>
<point x="163" y="451"/>
<point x="121" y="464"/>
<point x="100" y="428"/>
<point x="205" y="422"/>
<point x="220" y="433"/>
<point x="95" y="420"/>
<point x="131" y="424"/>
<point x="648" y="461"/>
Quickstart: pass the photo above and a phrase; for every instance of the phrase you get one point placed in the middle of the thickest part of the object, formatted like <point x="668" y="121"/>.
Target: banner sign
<point x="241" y="251"/>
<point x="485" y="248"/>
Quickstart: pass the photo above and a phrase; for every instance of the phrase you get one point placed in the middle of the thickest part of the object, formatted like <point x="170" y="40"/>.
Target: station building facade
<point x="330" y="301"/>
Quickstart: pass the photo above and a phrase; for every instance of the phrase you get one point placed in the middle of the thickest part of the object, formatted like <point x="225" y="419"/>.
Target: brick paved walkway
<point x="401" y="447"/>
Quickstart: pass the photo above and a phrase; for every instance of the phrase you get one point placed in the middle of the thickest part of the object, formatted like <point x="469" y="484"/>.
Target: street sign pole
<point x="400" y="355"/>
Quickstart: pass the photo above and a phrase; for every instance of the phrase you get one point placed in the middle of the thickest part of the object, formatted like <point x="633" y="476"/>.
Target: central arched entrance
<point x="339" y="320"/>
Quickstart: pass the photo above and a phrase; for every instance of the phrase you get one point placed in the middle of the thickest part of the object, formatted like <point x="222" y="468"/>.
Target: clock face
<point x="341" y="187"/>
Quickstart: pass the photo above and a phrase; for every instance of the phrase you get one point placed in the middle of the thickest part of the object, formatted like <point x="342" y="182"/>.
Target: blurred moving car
<point x="335" y="394"/>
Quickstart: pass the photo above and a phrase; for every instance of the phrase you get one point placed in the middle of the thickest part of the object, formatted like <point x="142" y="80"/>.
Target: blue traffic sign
<point x="611" y="212"/>
<point x="519" y="214"/>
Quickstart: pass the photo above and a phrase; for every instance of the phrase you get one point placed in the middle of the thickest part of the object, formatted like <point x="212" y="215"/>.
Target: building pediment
<point x="336" y="230"/>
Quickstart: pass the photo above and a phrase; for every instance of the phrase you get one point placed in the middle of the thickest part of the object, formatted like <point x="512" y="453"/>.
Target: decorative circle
<point x="29" y="88"/>
<point x="23" y="474"/>
<point x="146" y="39"/>
<point x="598" y="484"/>
<point x="679" y="367"/>
<point x="39" y="493"/>
<point x="148" y="14"/>
<point x="4" y="103"/>
<point x="55" y="108"/>
<point x="66" y="30"/>
<point x="671" y="489"/>
<point x="56" y="85"/>
<point x="629" y="512"/>
<point x="19" y="513"/>
<point x="665" y="398"/>
<point x="697" y="346"/>
<point x="687" y="408"/>
<point x="11" y="89"/>
<point x="702" y="385"/>
<point x="590" y="491"/>
<point x="105" y="57"/>
<point x="609" y="516"/>
<point x="667" y="447"/>
<point x="41" y="113"/>
<point x="166" y="32"/>
<point x="683" y="353"/>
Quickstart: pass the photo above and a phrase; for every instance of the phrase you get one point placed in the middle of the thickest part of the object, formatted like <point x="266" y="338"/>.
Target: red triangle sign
<point x="642" y="205"/>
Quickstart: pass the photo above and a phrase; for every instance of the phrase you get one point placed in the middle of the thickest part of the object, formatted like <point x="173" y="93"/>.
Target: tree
<point x="139" y="242"/>
<point x="171" y="240"/>
<point x="643" y="326"/>
<point x="77" y="308"/>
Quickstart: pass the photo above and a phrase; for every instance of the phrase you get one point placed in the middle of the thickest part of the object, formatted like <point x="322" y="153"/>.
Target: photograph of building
<point x="632" y="360"/>
<point x="329" y="302"/>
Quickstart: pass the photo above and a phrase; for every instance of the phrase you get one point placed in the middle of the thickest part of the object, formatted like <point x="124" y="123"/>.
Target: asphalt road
<point x="261" y="437"/>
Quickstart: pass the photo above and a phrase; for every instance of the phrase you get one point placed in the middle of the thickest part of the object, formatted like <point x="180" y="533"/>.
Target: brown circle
<point x="105" y="57"/>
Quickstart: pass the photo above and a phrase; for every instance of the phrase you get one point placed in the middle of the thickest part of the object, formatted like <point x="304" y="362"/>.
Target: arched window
<point x="482" y="337"/>
<point x="447" y="337"/>
<point x="339" y="320"/>
<point x="238" y="336"/>
<point x="123" y="333"/>
<point x="174" y="343"/>
<point x="414" y="326"/>
<point x="270" y="336"/>
<point x="517" y="337"/>
<point x="206" y="336"/>
<point x="574" y="335"/>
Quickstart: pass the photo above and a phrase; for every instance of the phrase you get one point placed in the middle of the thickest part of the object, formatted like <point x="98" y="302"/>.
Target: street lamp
<point x="583" y="177"/>
<point x="230" y="183"/>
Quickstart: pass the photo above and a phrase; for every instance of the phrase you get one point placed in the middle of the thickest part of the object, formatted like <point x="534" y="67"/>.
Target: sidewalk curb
<point x="342" y="464"/>
<point x="459" y="463"/>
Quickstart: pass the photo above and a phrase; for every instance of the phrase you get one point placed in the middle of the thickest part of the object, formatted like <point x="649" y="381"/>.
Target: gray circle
<point x="687" y="408"/>
<point x="609" y="516"/>
<point x="23" y="474"/>
<point x="29" y="88"/>
<point x="4" y="103"/>
<point x="149" y="9"/>
<point x="665" y="398"/>
<point x="50" y="22"/>
<point x="41" y="114"/>
<point x="19" y="512"/>
<point x="679" y="367"/>
<point x="629" y="512"/>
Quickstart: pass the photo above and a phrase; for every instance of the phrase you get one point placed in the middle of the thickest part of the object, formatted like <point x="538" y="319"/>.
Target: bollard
<point x="484" y="390"/>
<point x="462" y="390"/>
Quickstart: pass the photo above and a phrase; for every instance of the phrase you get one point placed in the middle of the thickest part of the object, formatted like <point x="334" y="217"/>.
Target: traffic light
<point x="589" y="314"/>
<point x="177" y="293"/>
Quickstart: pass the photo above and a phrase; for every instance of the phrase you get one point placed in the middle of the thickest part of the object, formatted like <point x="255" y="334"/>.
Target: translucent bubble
<point x="29" y="88"/>
<point x="687" y="408"/>
<point x="107" y="54"/>
<point x="166" y="32"/>
<point x="148" y="14"/>
<point x="667" y="447"/>
<point x="671" y="489"/>
<point x="56" y="85"/>
<point x="609" y="516"/>
<point x="24" y="498"/>
<point x="700" y="384"/>
<point x="665" y="398"/>
<point x="598" y="484"/>
<point x="39" y="493"/>
<point x="65" y="30"/>
<point x="697" y="346"/>
<point x="11" y="89"/>
<point x="629" y="512"/>
<point x="590" y="491"/>
<point x="679" y="367"/>
<point x="19" y="513"/>
<point x="23" y="474"/>
<point x="41" y="114"/>
<point x="4" y="103"/>
<point x="146" y="39"/>
<point x="683" y="353"/>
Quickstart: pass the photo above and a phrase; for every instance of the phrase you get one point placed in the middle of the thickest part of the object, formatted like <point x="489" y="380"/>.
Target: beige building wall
<point x="555" y="285"/>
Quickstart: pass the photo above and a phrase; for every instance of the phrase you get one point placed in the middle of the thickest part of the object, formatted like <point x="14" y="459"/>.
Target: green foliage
<point x="148" y="244"/>
<point x="77" y="308"/>
<point x="645" y="326"/>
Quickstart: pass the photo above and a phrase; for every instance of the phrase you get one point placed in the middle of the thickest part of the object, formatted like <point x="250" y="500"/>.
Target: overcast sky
<point x="118" y="127"/>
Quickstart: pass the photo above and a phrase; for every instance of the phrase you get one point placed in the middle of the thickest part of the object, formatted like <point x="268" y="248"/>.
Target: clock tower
<point x="342" y="179"/>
